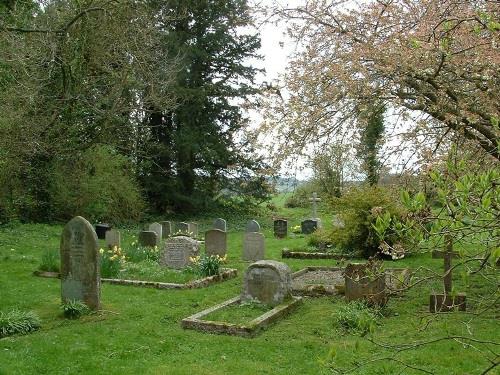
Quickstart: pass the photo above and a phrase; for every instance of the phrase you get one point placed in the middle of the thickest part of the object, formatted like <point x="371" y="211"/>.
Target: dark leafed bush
<point x="18" y="322"/>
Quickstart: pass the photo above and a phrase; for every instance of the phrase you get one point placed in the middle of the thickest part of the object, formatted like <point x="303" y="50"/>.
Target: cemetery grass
<point x="138" y="329"/>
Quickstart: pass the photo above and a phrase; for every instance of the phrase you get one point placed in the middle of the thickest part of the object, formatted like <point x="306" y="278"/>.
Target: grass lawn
<point x="138" y="330"/>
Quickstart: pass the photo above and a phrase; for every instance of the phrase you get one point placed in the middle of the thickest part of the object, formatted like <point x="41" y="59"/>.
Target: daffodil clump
<point x="111" y="261"/>
<point x="136" y="253"/>
<point x="296" y="229"/>
<point x="207" y="265"/>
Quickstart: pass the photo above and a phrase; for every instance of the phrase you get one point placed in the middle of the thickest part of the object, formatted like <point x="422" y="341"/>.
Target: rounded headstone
<point x="157" y="228"/>
<point x="268" y="282"/>
<point x="280" y="228"/>
<point x="252" y="226"/>
<point x="80" y="273"/>
<point x="220" y="224"/>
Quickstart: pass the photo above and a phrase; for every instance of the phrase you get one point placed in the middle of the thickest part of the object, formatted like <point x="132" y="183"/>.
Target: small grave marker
<point x="182" y="228"/>
<point x="193" y="230"/>
<point x="280" y="228"/>
<point x="252" y="226"/>
<point x="220" y="224"/>
<point x="113" y="239"/>
<point x="80" y="279"/>
<point x="267" y="281"/>
<point x="177" y="250"/>
<point x="314" y="201"/>
<point x="148" y="238"/>
<point x="447" y="301"/>
<point x="216" y="242"/>
<point x="157" y="228"/>
<point x="309" y="226"/>
<point x="166" y="228"/>
<point x="101" y="230"/>
<point x="253" y="246"/>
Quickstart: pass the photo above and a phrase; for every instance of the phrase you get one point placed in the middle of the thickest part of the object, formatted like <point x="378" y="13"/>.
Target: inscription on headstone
<point x="80" y="279"/>
<point x="280" y="228"/>
<point x="220" y="224"/>
<point x="148" y="238"/>
<point x="112" y="238"/>
<point x="216" y="242"/>
<point x="268" y="282"/>
<point x="253" y="246"/>
<point x="177" y="250"/>
<point x="166" y="228"/>
<point x="252" y="226"/>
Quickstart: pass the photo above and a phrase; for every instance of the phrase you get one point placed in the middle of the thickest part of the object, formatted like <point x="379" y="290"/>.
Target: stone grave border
<point x="250" y="329"/>
<point x="311" y="255"/>
<point x="226" y="274"/>
<point x="317" y="290"/>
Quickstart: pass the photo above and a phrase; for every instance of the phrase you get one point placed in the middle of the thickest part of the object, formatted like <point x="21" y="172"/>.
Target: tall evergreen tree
<point x="194" y="144"/>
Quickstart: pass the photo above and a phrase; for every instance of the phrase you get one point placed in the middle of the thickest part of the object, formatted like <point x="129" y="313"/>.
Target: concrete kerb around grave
<point x="310" y="255"/>
<point x="250" y="329"/>
<point x="226" y="274"/>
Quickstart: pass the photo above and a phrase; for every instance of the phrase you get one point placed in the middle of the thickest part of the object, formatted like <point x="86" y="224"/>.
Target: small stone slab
<point x="253" y="246"/>
<point x="193" y="230"/>
<point x="268" y="282"/>
<point x="113" y="239"/>
<point x="148" y="238"/>
<point x="252" y="226"/>
<point x="157" y="228"/>
<point x="80" y="273"/>
<point x="182" y="228"/>
<point x="177" y="250"/>
<point x="245" y="330"/>
<point x="216" y="242"/>
<point x="309" y="226"/>
<point x="166" y="228"/>
<point x="280" y="228"/>
<point x="220" y="224"/>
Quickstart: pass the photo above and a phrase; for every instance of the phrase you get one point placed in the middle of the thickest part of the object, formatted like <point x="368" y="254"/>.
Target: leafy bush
<point x="207" y="265"/>
<point x="50" y="261"/>
<point x="74" y="309"/>
<point x="136" y="253"/>
<point x="111" y="262"/>
<point x="301" y="195"/>
<point x="18" y="322"/>
<point x="359" y="209"/>
<point x="357" y="317"/>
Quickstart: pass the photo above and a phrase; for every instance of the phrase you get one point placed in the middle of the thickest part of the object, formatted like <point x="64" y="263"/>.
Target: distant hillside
<point x="287" y="184"/>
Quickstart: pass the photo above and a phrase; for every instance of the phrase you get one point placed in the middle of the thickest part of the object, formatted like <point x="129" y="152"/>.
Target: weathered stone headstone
<point x="280" y="228"/>
<point x="182" y="228"/>
<point x="252" y="226"/>
<point x="177" y="250"/>
<point x="166" y="228"/>
<point x="193" y="230"/>
<point x="100" y="230"/>
<point x="253" y="246"/>
<point x="216" y="242"/>
<point x="113" y="239"/>
<point x="338" y="222"/>
<point x="268" y="282"/>
<point x="447" y="301"/>
<point x="308" y="226"/>
<point x="220" y="224"/>
<point x="148" y="238"/>
<point x="80" y="273"/>
<point x="157" y="228"/>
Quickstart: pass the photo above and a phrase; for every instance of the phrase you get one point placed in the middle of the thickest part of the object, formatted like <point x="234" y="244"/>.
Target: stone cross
<point x="314" y="200"/>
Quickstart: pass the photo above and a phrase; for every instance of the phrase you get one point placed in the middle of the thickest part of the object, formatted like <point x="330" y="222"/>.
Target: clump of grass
<point x="50" y="261"/>
<point x="357" y="317"/>
<point x="207" y="265"/>
<point x="74" y="309"/>
<point x="18" y="322"/>
<point x="136" y="253"/>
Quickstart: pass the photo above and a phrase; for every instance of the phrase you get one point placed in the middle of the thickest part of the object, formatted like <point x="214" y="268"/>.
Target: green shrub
<point x="74" y="309"/>
<point x="50" y="261"/>
<point x="359" y="209"/>
<point x="111" y="262"/>
<point x="301" y="195"/>
<point x="18" y="322"/>
<point x="207" y="265"/>
<point x="356" y="317"/>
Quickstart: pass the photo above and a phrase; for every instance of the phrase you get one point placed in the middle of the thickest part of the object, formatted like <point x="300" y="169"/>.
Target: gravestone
<point x="101" y="230"/>
<point x="280" y="228"/>
<point x="166" y="229"/>
<point x="157" y="228"/>
<point x="314" y="200"/>
<point x="216" y="242"/>
<point x="177" y="250"/>
<point x="447" y="301"/>
<point x="182" y="228"/>
<point x="113" y="238"/>
<point x="80" y="273"/>
<point x="253" y="246"/>
<point x="308" y="226"/>
<point x="148" y="238"/>
<point x="268" y="282"/>
<point x="193" y="230"/>
<point x="220" y="224"/>
<point x="252" y="226"/>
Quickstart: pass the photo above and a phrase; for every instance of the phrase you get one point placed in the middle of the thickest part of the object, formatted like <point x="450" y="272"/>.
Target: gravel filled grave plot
<point x="317" y="281"/>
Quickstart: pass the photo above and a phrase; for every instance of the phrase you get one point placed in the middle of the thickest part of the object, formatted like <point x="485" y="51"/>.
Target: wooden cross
<point x="446" y="301"/>
<point x="314" y="199"/>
